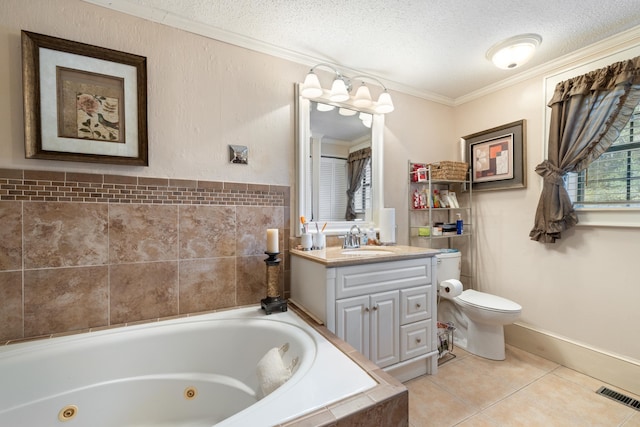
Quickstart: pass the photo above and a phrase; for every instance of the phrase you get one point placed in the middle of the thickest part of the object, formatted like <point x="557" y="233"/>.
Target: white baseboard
<point x="605" y="367"/>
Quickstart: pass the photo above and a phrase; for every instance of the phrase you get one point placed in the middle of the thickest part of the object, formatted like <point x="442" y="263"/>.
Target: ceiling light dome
<point x="514" y="51"/>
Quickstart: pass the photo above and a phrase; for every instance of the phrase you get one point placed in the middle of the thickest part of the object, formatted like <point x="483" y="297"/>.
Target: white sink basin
<point x="367" y="251"/>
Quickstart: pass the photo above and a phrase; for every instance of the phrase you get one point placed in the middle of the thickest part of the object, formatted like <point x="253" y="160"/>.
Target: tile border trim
<point x="59" y="186"/>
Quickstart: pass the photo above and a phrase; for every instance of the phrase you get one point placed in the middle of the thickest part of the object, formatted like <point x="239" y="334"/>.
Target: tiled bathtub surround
<point x="81" y="251"/>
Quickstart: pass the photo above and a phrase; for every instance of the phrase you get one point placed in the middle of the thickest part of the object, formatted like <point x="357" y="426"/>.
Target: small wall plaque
<point x="238" y="154"/>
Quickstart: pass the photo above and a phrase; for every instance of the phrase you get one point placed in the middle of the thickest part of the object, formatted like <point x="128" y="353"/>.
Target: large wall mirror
<point x="339" y="148"/>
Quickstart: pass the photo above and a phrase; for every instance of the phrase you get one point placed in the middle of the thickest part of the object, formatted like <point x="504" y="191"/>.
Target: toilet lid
<point x="488" y="301"/>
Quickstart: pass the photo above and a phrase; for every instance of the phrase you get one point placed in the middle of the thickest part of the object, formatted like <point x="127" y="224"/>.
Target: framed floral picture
<point x="83" y="103"/>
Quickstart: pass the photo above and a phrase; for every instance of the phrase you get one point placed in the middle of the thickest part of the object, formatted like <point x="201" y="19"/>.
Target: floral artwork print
<point x="97" y="117"/>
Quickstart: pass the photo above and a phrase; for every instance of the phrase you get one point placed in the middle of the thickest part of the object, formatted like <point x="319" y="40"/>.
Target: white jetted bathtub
<point x="195" y="371"/>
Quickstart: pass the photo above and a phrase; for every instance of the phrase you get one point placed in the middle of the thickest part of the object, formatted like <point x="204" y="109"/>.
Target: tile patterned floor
<point x="523" y="390"/>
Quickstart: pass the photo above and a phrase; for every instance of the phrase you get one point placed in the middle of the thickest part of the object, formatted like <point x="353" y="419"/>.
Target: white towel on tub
<point x="272" y="372"/>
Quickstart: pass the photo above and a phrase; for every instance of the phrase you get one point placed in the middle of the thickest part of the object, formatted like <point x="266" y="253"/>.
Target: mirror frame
<point x="303" y="136"/>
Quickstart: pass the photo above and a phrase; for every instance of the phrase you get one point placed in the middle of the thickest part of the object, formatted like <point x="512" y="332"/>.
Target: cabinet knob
<point x="366" y="309"/>
<point x="418" y="305"/>
<point x="375" y="307"/>
<point x="418" y="340"/>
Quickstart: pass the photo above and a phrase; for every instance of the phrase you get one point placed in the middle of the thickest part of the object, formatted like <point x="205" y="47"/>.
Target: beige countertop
<point x="336" y="256"/>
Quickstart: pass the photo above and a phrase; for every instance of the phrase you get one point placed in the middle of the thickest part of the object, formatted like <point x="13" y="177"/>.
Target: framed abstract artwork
<point x="83" y="103"/>
<point x="497" y="157"/>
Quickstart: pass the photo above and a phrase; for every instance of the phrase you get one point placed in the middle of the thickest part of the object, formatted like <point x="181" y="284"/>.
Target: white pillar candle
<point x="272" y="240"/>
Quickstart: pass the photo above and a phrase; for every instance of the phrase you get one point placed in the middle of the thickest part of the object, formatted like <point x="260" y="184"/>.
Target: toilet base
<point x="486" y="340"/>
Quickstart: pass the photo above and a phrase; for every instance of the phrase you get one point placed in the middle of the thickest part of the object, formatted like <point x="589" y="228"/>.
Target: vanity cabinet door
<point x="352" y="322"/>
<point x="371" y="325"/>
<point x="385" y="340"/>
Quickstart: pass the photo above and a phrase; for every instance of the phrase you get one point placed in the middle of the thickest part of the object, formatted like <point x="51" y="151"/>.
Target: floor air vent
<point x="625" y="400"/>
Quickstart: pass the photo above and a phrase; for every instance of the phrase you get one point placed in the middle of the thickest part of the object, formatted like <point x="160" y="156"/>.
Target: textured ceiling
<point x="430" y="48"/>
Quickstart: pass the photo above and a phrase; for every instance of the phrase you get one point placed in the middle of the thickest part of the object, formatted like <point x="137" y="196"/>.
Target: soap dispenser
<point x="371" y="236"/>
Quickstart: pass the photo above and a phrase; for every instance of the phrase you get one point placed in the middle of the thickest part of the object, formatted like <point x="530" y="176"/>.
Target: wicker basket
<point x="451" y="171"/>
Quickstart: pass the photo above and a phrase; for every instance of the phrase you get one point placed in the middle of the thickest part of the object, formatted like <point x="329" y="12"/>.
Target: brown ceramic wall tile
<point x="251" y="279"/>
<point x="140" y="233"/>
<point x="10" y="305"/>
<point x="207" y="231"/>
<point x="11" y="173"/>
<point x="183" y="183"/>
<point x="153" y="181"/>
<point x="65" y="299"/>
<point x="143" y="291"/>
<point x="211" y="185"/>
<point x="236" y="186"/>
<point x="10" y="235"/>
<point x="392" y="412"/>
<point x="252" y="223"/>
<point x="258" y="187"/>
<point x="65" y="219"/>
<point x="120" y="179"/>
<point x="207" y="284"/>
<point x="84" y="177"/>
<point x="44" y="175"/>
<point x="65" y="234"/>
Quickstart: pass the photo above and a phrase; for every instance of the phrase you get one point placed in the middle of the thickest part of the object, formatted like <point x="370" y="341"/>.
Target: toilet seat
<point x="488" y="302"/>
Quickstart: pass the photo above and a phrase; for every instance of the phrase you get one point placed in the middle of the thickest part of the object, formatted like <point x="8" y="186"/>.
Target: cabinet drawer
<point x="415" y="339"/>
<point x="415" y="304"/>
<point x="382" y="276"/>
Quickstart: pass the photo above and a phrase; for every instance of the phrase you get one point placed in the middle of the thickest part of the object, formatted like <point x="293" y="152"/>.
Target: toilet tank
<point x="449" y="265"/>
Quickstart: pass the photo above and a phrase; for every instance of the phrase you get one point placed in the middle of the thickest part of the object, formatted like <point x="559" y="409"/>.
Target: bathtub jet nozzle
<point x="68" y="413"/>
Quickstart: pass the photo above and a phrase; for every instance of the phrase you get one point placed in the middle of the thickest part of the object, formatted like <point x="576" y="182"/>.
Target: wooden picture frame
<point x="497" y="157"/>
<point x="83" y="103"/>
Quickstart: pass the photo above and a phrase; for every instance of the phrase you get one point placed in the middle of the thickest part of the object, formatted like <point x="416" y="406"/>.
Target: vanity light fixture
<point x="341" y="87"/>
<point x="514" y="51"/>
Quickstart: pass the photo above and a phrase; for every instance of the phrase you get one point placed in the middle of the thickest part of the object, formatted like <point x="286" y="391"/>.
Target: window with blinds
<point x="333" y="190"/>
<point x="613" y="180"/>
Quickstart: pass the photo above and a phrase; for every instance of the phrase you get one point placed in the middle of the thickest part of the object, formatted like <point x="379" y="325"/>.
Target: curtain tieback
<point x="550" y="173"/>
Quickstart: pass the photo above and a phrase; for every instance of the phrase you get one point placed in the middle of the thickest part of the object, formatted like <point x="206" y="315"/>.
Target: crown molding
<point x="629" y="36"/>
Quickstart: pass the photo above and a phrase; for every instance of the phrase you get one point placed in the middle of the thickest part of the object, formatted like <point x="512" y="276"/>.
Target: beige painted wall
<point x="585" y="286"/>
<point x="204" y="94"/>
<point x="420" y="131"/>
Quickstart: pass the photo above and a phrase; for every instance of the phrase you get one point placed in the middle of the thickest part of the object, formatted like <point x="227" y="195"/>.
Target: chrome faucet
<point x="352" y="241"/>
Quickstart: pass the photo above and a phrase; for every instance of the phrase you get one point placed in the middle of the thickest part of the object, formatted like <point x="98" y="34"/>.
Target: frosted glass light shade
<point x="311" y="87"/>
<point x="385" y="105"/>
<point x="367" y="119"/>
<point x="363" y="97"/>
<point x="514" y="52"/>
<point x="325" y="107"/>
<point x="338" y="91"/>
<point x="347" y="112"/>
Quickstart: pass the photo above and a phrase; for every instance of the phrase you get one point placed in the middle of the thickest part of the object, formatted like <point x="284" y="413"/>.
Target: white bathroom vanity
<point x="381" y="300"/>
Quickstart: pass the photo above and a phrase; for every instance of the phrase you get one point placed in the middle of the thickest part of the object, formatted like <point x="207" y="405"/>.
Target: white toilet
<point x="479" y="317"/>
